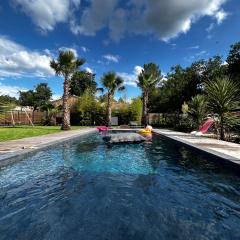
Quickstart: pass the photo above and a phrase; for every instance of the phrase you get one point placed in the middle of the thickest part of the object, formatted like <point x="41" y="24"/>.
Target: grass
<point x="13" y="133"/>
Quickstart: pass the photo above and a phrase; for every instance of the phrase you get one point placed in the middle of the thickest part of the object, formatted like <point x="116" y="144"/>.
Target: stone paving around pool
<point x="12" y="150"/>
<point x="224" y="150"/>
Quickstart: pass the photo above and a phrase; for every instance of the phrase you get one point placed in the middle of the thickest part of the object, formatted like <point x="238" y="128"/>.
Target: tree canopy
<point x="37" y="98"/>
<point x="81" y="81"/>
<point x="233" y="61"/>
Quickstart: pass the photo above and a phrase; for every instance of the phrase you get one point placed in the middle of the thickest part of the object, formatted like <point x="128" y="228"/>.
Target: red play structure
<point x="204" y="128"/>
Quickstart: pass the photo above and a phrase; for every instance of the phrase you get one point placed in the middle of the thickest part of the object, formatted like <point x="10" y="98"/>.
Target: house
<point x="72" y="102"/>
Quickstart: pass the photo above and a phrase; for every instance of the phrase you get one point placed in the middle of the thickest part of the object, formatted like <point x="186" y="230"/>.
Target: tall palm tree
<point x="147" y="80"/>
<point x="112" y="83"/>
<point x="66" y="65"/>
<point x="223" y="98"/>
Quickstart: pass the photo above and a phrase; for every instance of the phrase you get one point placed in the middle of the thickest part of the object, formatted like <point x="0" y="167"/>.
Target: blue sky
<point x="111" y="35"/>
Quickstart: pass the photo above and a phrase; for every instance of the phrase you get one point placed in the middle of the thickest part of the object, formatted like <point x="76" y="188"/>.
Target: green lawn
<point x="12" y="133"/>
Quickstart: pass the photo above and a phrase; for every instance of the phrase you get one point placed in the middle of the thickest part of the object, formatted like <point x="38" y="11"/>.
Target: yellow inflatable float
<point x="146" y="130"/>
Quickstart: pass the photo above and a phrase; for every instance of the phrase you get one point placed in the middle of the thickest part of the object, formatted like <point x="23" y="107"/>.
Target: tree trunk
<point x="66" y="110"/>
<point x="109" y="110"/>
<point x="222" y="132"/>
<point x="33" y="116"/>
<point x="144" y="109"/>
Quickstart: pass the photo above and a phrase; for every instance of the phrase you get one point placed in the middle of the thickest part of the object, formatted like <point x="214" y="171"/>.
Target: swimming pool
<point x="85" y="189"/>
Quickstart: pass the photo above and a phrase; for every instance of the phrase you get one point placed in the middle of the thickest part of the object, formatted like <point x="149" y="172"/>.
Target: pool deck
<point x="229" y="152"/>
<point x="11" y="151"/>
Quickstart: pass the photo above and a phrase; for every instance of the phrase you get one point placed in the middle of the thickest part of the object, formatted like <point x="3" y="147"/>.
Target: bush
<point x="185" y="124"/>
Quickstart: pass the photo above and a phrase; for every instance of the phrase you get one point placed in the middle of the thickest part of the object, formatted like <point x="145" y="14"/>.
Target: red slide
<point x="204" y="128"/>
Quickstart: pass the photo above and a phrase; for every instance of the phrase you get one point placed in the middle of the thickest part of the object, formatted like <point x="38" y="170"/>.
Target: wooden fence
<point x="22" y="117"/>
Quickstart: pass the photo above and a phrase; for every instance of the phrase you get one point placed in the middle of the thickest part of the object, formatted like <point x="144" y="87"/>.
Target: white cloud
<point x="84" y="49"/>
<point x="198" y="55"/>
<point x="48" y="52"/>
<point x="118" y="24"/>
<point x="137" y="70"/>
<point x="56" y="96"/>
<point x="70" y="49"/>
<point x="18" y="61"/>
<point x="201" y="53"/>
<point x="89" y="70"/>
<point x="168" y="19"/>
<point x="94" y="18"/>
<point x="194" y="47"/>
<point x="210" y="27"/>
<point x="165" y="19"/>
<point x="9" y="90"/>
<point x="100" y="62"/>
<point x="173" y="45"/>
<point x="47" y="13"/>
<point x="111" y="58"/>
<point x="221" y="16"/>
<point x="130" y="79"/>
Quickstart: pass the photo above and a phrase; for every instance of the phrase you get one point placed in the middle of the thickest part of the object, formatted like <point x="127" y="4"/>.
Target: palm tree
<point x="112" y="83"/>
<point x="223" y="98"/>
<point x="66" y="65"/>
<point x="147" y="80"/>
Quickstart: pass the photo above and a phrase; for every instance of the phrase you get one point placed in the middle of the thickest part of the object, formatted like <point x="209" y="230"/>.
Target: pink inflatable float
<point x="102" y="128"/>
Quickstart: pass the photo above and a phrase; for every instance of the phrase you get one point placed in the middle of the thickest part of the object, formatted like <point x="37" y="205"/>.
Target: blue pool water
<point x="87" y="190"/>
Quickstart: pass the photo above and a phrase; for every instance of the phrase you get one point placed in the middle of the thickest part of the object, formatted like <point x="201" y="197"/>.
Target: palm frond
<point x="66" y="63"/>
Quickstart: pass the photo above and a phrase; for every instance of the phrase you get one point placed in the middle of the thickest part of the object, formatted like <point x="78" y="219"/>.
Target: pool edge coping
<point x="222" y="156"/>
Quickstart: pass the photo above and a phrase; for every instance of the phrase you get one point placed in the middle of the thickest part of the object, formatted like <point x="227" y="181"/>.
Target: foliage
<point x="7" y="103"/>
<point x="149" y="77"/>
<point x="42" y="95"/>
<point x="185" y="108"/>
<point x="51" y="113"/>
<point x="184" y="83"/>
<point x="181" y="85"/>
<point x="136" y="109"/>
<point x="223" y="98"/>
<point x="213" y="68"/>
<point x="87" y="102"/>
<point x="233" y="61"/>
<point x="37" y="98"/>
<point x="127" y="112"/>
<point x="66" y="64"/>
<point x="123" y="113"/>
<point x="82" y="80"/>
<point x="184" y="124"/>
<point x="27" y="98"/>
<point x="89" y="109"/>
<point x="5" y="99"/>
<point x="112" y="82"/>
<point x="198" y="109"/>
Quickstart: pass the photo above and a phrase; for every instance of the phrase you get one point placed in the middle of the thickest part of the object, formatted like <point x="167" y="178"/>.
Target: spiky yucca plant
<point x="223" y="98"/>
